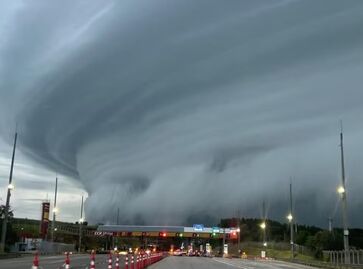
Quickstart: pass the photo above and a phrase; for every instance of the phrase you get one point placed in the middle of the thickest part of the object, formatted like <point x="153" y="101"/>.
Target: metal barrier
<point x="142" y="261"/>
<point x="139" y="261"/>
<point x="351" y="257"/>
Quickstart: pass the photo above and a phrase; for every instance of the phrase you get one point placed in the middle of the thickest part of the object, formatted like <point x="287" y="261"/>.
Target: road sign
<point x="208" y="248"/>
<point x="97" y="233"/>
<point x="198" y="227"/>
<point x="225" y="249"/>
<point x="263" y="254"/>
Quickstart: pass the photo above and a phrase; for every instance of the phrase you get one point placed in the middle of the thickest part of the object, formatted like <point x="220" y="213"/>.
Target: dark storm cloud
<point x="235" y="154"/>
<point x="172" y="110"/>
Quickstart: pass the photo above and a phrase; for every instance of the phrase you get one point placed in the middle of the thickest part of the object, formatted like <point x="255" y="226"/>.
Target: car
<point x="177" y="252"/>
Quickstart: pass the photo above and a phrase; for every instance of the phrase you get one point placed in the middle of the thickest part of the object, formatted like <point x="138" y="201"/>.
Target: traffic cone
<point x="117" y="263"/>
<point x="132" y="262"/>
<point x="110" y="261"/>
<point x="127" y="261"/>
<point x="67" y="261"/>
<point x="35" y="261"/>
<point x="93" y="258"/>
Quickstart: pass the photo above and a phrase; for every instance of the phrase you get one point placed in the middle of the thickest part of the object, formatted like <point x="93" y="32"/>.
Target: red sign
<point x="44" y="220"/>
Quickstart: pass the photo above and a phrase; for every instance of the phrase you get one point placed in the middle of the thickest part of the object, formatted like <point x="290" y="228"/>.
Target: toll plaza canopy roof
<point x="172" y="229"/>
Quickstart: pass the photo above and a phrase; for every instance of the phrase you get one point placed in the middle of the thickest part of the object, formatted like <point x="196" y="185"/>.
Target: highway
<point x="82" y="262"/>
<point x="54" y="262"/>
<point x="221" y="263"/>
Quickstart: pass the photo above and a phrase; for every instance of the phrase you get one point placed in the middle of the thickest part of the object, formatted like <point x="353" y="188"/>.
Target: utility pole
<point x="342" y="191"/>
<point x="55" y="209"/>
<point x="10" y="188"/>
<point x="80" y="227"/>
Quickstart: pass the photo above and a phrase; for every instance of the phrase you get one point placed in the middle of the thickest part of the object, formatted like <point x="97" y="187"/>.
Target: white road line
<point x="295" y="265"/>
<point x="231" y="264"/>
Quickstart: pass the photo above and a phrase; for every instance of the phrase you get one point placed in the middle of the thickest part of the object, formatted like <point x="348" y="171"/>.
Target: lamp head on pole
<point x="341" y="190"/>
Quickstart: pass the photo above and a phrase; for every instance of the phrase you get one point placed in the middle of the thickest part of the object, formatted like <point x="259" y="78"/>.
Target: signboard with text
<point x="44" y="222"/>
<point x="198" y="227"/>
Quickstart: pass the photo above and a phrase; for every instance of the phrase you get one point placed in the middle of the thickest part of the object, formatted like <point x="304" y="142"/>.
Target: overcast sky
<point x="180" y="112"/>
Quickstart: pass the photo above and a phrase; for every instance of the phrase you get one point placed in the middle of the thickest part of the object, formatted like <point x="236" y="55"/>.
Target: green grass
<point x="273" y="253"/>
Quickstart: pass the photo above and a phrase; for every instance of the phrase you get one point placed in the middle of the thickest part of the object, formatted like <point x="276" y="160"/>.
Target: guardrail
<point x="346" y="258"/>
<point x="322" y="264"/>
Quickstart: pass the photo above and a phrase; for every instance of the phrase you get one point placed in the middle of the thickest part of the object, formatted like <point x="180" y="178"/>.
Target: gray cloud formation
<point x="172" y="110"/>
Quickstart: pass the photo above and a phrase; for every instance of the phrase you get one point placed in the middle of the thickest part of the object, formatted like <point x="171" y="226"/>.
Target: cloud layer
<point x="183" y="111"/>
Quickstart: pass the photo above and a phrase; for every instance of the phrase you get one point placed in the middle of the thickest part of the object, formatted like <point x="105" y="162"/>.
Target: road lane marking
<point x="234" y="265"/>
<point x="290" y="265"/>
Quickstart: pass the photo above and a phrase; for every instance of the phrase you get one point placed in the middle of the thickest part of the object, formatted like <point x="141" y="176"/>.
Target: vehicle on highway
<point x="177" y="252"/>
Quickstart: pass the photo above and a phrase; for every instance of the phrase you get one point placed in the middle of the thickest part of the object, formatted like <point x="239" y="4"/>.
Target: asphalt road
<point x="82" y="262"/>
<point x="55" y="262"/>
<point x="220" y="263"/>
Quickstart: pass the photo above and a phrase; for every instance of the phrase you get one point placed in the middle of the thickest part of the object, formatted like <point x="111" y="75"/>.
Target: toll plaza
<point x="197" y="231"/>
<point x="166" y="237"/>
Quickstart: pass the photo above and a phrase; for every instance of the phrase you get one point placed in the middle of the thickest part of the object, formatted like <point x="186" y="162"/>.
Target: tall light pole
<point x="290" y="218"/>
<point x="118" y="216"/>
<point x="9" y="189"/>
<point x="55" y="209"/>
<point x="330" y="224"/>
<point x="343" y="194"/>
<point x="239" y="232"/>
<point x="224" y="241"/>
<point x="81" y="220"/>
<point x="263" y="224"/>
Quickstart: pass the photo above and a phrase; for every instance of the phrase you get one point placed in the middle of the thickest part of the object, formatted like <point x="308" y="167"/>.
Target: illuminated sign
<point x="198" y="227"/>
<point x="44" y="220"/>
<point x="97" y="233"/>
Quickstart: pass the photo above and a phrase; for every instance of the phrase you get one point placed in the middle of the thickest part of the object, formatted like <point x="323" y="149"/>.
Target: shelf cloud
<point x="179" y="112"/>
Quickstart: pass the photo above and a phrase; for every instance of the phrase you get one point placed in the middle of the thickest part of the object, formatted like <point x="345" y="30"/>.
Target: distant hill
<point x="309" y="236"/>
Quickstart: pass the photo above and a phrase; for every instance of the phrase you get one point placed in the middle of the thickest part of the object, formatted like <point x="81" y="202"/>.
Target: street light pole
<point x="343" y="193"/>
<point x="290" y="217"/>
<point x="239" y="232"/>
<point x="80" y="227"/>
<point x="224" y="241"/>
<point x="118" y="216"/>
<point x="9" y="188"/>
<point x="264" y="223"/>
<point x="54" y="208"/>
